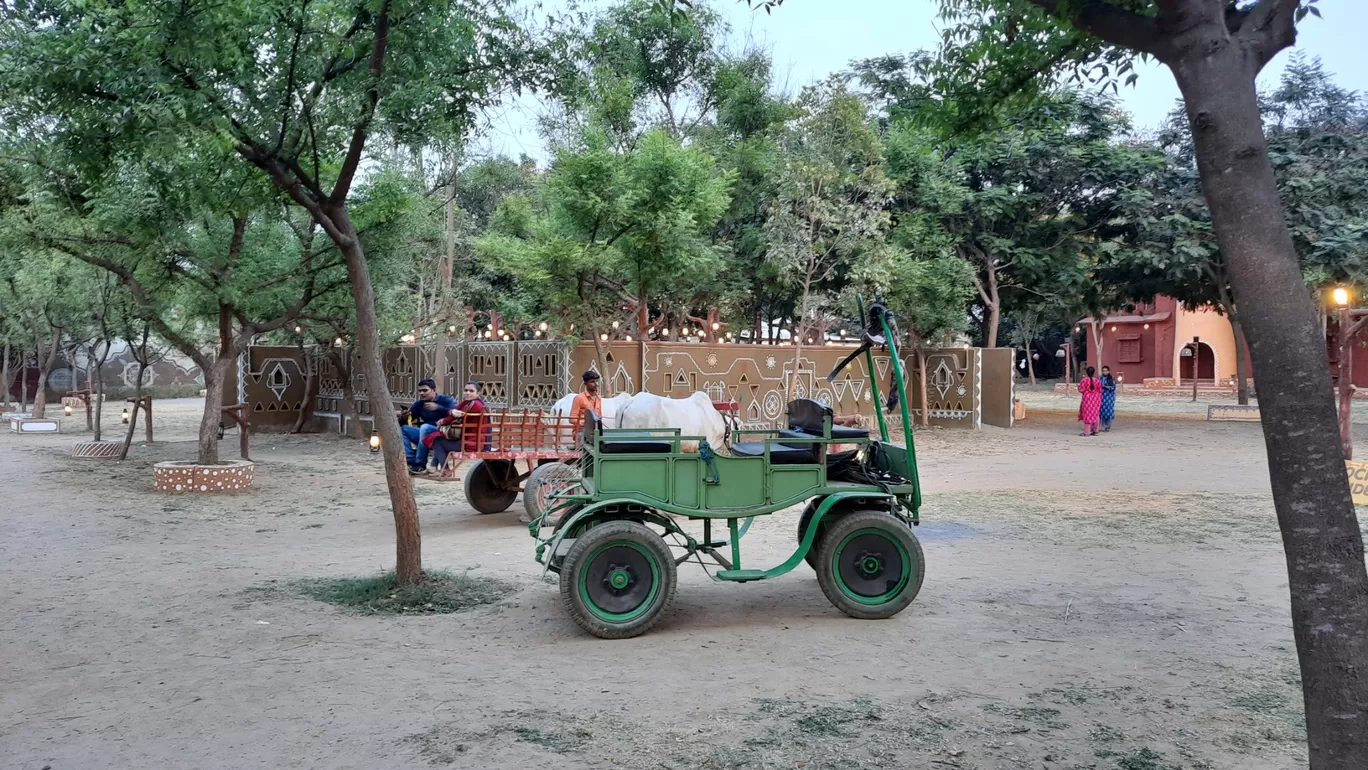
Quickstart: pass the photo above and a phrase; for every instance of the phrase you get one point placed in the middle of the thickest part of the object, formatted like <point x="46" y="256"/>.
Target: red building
<point x="1154" y="343"/>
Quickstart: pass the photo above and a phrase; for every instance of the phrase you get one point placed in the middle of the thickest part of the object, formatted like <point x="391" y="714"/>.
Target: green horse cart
<point x="615" y="539"/>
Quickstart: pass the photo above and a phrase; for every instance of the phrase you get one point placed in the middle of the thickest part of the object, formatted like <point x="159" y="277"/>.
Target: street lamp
<point x="1350" y="321"/>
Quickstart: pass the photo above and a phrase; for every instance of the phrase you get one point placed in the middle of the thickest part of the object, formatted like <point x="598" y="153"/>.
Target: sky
<point x="809" y="39"/>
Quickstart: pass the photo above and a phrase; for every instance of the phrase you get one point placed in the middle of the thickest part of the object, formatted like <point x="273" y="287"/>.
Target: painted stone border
<point x="1232" y="413"/>
<point x="97" y="450"/>
<point x="190" y="478"/>
<point x="35" y="425"/>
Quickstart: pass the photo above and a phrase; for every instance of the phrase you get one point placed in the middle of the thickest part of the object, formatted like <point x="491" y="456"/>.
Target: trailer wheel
<point x="546" y="480"/>
<point x="617" y="579"/>
<point x="871" y="565"/>
<point x="491" y="486"/>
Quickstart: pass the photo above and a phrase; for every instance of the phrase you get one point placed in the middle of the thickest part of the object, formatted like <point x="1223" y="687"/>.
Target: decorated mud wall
<point x="173" y="376"/>
<point x="966" y="387"/>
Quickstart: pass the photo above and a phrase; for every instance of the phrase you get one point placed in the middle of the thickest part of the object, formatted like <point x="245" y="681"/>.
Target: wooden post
<point x="1196" y="365"/>
<point x="1342" y="385"/>
<point x="239" y="414"/>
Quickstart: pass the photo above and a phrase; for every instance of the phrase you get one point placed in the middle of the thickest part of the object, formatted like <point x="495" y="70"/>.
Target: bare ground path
<point x="1116" y="602"/>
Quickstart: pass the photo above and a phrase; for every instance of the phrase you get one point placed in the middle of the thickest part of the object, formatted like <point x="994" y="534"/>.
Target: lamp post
<point x="1350" y="321"/>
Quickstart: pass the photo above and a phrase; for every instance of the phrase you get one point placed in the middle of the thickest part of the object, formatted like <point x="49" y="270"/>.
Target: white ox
<point x="693" y="416"/>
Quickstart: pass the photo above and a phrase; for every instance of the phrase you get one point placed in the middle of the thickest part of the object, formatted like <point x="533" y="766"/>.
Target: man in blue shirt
<point x="430" y="407"/>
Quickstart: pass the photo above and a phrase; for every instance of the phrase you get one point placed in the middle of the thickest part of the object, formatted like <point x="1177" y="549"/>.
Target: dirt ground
<point x="1111" y="602"/>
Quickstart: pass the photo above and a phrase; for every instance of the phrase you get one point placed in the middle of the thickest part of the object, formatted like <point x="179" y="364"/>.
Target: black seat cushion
<point x="807" y="415"/>
<point x="779" y="454"/>
<point x="634" y="444"/>
<point x="837" y="432"/>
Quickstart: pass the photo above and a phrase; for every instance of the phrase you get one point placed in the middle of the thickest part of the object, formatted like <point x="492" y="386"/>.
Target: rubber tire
<point x="826" y="576"/>
<point x="586" y="544"/>
<point x="811" y="556"/>
<point x="480" y="492"/>
<point x="531" y="501"/>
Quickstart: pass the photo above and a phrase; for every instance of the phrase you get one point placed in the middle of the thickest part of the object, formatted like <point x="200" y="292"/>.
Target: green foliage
<point x="829" y="219"/>
<point x="1318" y="145"/>
<point x="610" y="228"/>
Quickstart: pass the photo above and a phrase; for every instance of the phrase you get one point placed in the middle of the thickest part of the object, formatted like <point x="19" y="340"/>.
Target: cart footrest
<point x="741" y="575"/>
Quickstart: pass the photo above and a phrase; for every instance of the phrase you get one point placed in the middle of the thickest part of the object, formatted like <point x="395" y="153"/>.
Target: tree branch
<point x="1109" y="22"/>
<point x="358" y="140"/>
<point x="1268" y="27"/>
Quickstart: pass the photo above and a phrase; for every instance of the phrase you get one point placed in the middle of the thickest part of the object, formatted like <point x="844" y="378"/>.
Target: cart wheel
<point x="546" y="480"/>
<point x="811" y="556"/>
<point x="617" y="579"/>
<point x="870" y="565"/>
<point x="491" y="485"/>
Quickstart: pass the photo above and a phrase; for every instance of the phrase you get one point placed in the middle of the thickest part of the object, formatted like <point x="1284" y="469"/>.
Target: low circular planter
<point x="96" y="450"/>
<point x="189" y="477"/>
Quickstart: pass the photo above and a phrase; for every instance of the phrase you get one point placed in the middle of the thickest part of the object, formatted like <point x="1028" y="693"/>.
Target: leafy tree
<point x="295" y="90"/>
<point x="611" y="228"/>
<point x="993" y="52"/>
<point x="929" y="295"/>
<point x="828" y="220"/>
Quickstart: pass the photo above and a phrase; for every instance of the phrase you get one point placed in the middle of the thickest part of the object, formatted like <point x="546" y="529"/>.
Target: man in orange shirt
<point x="588" y="398"/>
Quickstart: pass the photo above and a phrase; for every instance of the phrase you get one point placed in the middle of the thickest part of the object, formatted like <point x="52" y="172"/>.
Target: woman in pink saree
<point x="1090" y="408"/>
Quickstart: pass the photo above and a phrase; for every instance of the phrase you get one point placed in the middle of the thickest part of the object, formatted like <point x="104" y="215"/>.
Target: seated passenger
<point x="459" y="431"/>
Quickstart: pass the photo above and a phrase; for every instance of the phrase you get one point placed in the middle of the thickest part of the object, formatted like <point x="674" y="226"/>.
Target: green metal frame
<point x="649" y="487"/>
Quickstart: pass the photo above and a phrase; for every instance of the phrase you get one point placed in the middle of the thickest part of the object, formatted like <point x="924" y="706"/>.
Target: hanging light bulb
<point x="603" y="337"/>
<point x="298" y="329"/>
<point x="337" y="341"/>
<point x="451" y="330"/>
<point x="542" y="326"/>
<point x="490" y="327"/>
<point x="615" y="324"/>
<point x="629" y="338"/>
<point x="537" y="333"/>
<point x="716" y="326"/>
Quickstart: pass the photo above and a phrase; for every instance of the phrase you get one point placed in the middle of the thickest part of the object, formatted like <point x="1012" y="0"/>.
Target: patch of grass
<point x="440" y="592"/>
<point x="437" y="746"/>
<point x="831" y="720"/>
<point x="1264" y="701"/>
<point x="1144" y="758"/>
<point x="558" y="741"/>
<point x="1105" y="734"/>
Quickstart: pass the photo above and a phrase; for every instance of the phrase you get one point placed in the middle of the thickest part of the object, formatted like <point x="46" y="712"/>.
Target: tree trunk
<point x="408" y="568"/>
<point x="309" y="404"/>
<point x="45" y="365"/>
<point x="5" y="374"/>
<point x="1241" y="371"/>
<point x="600" y="355"/>
<point x="214" y="378"/>
<point x="921" y="387"/>
<point x="798" y="331"/>
<point x="23" y="383"/>
<point x="141" y="358"/>
<point x="1030" y="365"/>
<point x="994" y="304"/>
<point x="1321" y="537"/>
